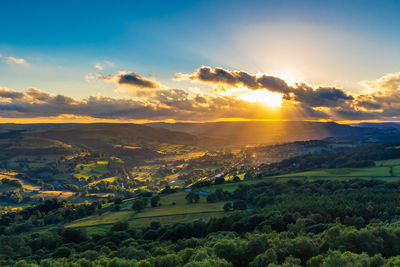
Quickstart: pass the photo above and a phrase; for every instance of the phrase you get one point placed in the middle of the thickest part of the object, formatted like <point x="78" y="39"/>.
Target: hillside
<point x="263" y="221"/>
<point x="258" y="132"/>
<point x="101" y="135"/>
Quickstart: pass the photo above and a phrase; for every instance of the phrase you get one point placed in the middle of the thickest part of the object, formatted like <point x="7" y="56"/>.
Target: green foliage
<point x="138" y="205"/>
<point x="155" y="201"/>
<point x="355" y="223"/>
<point x="228" y="206"/>
<point x="192" y="197"/>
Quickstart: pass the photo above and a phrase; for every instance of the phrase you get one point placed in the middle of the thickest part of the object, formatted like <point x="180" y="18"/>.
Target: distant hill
<point x="257" y="132"/>
<point x="379" y="125"/>
<point x="111" y="134"/>
<point x="133" y="142"/>
<point x="4" y="127"/>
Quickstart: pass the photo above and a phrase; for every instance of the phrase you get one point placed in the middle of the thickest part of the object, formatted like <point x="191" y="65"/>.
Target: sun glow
<point x="262" y="96"/>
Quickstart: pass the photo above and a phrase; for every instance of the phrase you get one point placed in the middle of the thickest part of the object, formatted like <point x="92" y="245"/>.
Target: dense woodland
<point x="294" y="223"/>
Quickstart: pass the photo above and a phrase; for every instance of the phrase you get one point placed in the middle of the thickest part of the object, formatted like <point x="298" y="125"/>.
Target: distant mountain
<point x="379" y="125"/>
<point x="259" y="132"/>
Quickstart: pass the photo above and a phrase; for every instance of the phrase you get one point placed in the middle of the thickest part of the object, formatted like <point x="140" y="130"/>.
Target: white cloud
<point x="14" y="60"/>
<point x="90" y="77"/>
<point x="99" y="67"/>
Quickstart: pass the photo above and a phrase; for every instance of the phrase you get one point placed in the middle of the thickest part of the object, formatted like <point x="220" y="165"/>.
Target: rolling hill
<point x="257" y="132"/>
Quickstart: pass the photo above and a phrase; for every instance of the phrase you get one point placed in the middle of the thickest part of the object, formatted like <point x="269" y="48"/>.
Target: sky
<point x="141" y="61"/>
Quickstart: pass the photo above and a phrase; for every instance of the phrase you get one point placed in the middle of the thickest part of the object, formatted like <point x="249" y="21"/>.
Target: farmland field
<point x="90" y="169"/>
<point x="345" y="172"/>
<point x="166" y="213"/>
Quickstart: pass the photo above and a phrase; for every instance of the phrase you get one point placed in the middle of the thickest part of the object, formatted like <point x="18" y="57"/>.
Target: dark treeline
<point x="294" y="223"/>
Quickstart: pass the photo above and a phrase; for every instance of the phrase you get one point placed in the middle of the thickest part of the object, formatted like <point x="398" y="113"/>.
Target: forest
<point x="293" y="223"/>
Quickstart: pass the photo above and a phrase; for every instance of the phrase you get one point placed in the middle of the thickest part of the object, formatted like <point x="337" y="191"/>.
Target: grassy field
<point x="108" y="179"/>
<point x="90" y="169"/>
<point x="388" y="170"/>
<point x="167" y="213"/>
<point x="389" y="162"/>
<point x="230" y="187"/>
<point x="25" y="184"/>
<point x="186" y="156"/>
<point x="107" y="218"/>
<point x="344" y="172"/>
<point x="165" y="220"/>
<point x="181" y="207"/>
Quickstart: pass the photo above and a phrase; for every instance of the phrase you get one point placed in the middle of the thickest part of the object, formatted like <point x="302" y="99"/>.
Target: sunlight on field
<point x="187" y="156"/>
<point x="25" y="184"/>
<point x="102" y="219"/>
<point x="55" y="194"/>
<point x="109" y="179"/>
<point x="181" y="206"/>
<point x="90" y="169"/>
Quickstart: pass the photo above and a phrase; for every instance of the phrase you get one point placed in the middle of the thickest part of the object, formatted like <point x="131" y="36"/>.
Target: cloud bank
<point x="148" y="99"/>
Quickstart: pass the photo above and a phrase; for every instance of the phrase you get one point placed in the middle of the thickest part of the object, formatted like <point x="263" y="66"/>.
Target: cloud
<point x="303" y="93"/>
<point x="99" y="66"/>
<point x="320" y="97"/>
<point x="388" y="82"/>
<point x="14" y="60"/>
<point x="132" y="80"/>
<point x="148" y="100"/>
<point x="153" y="105"/>
<point x="219" y="76"/>
<point x="90" y="77"/>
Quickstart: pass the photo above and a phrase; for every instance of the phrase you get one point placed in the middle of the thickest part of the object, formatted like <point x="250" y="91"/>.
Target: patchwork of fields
<point x="174" y="208"/>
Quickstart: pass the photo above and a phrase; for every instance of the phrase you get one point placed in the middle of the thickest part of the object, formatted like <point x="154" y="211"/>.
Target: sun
<point x="262" y="96"/>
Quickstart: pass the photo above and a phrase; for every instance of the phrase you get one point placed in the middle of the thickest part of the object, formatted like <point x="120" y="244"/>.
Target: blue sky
<point x="329" y="43"/>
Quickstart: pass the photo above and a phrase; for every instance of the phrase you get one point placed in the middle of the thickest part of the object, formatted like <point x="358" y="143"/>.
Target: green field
<point x="108" y="218"/>
<point x="230" y="187"/>
<point x="166" y="220"/>
<point x="90" y="169"/>
<point x="167" y="213"/>
<point x="181" y="207"/>
<point x="344" y="172"/>
<point x="389" y="162"/>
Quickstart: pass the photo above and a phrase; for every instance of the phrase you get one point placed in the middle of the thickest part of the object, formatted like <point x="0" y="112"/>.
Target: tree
<point x="120" y="226"/>
<point x="192" y="197"/>
<point x="70" y="235"/>
<point x="155" y="201"/>
<point x="196" y="198"/>
<point x="220" y="194"/>
<point x="228" y="206"/>
<point x="239" y="205"/>
<point x="236" y="179"/>
<point x="226" y="249"/>
<point x="265" y="258"/>
<point x="169" y="260"/>
<point x="138" y="205"/>
<point x="219" y="180"/>
<point x="212" y="198"/>
<point x="118" y="200"/>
